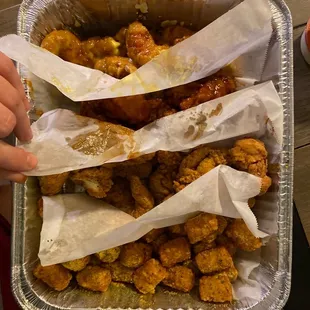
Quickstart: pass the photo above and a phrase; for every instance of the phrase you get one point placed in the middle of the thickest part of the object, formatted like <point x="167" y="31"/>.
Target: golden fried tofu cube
<point x="174" y="251"/>
<point x="110" y="255"/>
<point x="222" y="224"/>
<point x="214" y="260"/>
<point x="216" y="288"/>
<point x="94" y="278"/>
<point x="52" y="184"/>
<point x="242" y="237"/>
<point x="202" y="246"/>
<point x="232" y="273"/>
<point x="227" y="243"/>
<point x="148" y="276"/>
<point x="180" y="278"/>
<point x="120" y="273"/>
<point x="201" y="227"/>
<point x="153" y="235"/>
<point x="158" y="242"/>
<point x="55" y="276"/>
<point x="135" y="254"/>
<point x="177" y="230"/>
<point x="77" y="264"/>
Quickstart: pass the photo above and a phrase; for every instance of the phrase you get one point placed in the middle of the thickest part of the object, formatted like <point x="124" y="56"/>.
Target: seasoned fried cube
<point x="77" y="264"/>
<point x="110" y="255"/>
<point x="147" y="277"/>
<point x="180" y="278"/>
<point x="153" y="235"/>
<point x="202" y="246"/>
<point x="134" y="255"/>
<point x="215" y="288"/>
<point x="177" y="230"/>
<point x="120" y="273"/>
<point x="242" y="236"/>
<point x="174" y="251"/>
<point x="214" y="260"/>
<point x="94" y="278"/>
<point x="158" y="242"/>
<point x="232" y="273"/>
<point x="222" y="224"/>
<point x="52" y="184"/>
<point x="201" y="226"/>
<point x="55" y="276"/>
<point x="227" y="243"/>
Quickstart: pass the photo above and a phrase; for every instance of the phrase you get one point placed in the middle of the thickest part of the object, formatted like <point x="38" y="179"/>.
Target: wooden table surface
<point x="300" y="10"/>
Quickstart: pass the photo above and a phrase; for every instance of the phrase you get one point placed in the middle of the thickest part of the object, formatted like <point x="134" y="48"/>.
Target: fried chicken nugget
<point x="214" y="260"/>
<point x="216" y="288"/>
<point x="135" y="254"/>
<point x="97" y="181"/>
<point x="147" y="277"/>
<point x="174" y="251"/>
<point x="116" y="66"/>
<point x="173" y="34"/>
<point x="201" y="227"/>
<point x="120" y="273"/>
<point x="141" y="47"/>
<point x="94" y="278"/>
<point x="52" y="184"/>
<point x="77" y="264"/>
<point x="242" y="237"/>
<point x="55" y="276"/>
<point x="110" y="255"/>
<point x="180" y="278"/>
<point x="153" y="235"/>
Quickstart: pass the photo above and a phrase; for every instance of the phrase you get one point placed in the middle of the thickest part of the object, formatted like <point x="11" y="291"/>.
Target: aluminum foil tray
<point x="93" y="17"/>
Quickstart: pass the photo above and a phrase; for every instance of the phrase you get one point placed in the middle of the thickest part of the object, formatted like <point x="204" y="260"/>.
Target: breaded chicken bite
<point x="94" y="278"/>
<point x="55" y="276"/>
<point x="97" y="181"/>
<point x="52" y="184"/>
<point x="77" y="264"/>
<point x="135" y="254"/>
<point x="216" y="288"/>
<point x="232" y="273"/>
<point x="180" y="278"/>
<point x="110" y="255"/>
<point x="201" y="227"/>
<point x="214" y="260"/>
<point x="242" y="237"/>
<point x="120" y="273"/>
<point x="153" y="235"/>
<point x="148" y="276"/>
<point x="174" y="251"/>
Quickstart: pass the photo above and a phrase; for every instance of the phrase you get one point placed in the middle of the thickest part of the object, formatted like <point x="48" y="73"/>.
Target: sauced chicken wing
<point x="140" y="44"/>
<point x="96" y="181"/>
<point x="116" y="66"/>
<point x="52" y="184"/>
<point x="174" y="34"/>
<point x="77" y="264"/>
<point x="55" y="276"/>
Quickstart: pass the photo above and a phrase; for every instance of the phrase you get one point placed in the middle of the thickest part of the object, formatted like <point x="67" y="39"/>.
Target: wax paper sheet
<point x="244" y="29"/>
<point x="84" y="142"/>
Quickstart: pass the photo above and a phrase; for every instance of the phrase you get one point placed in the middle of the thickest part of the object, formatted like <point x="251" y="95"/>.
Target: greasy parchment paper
<point x="254" y="111"/>
<point x="245" y="29"/>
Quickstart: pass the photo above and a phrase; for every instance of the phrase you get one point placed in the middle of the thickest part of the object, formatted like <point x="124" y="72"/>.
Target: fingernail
<point x="32" y="161"/>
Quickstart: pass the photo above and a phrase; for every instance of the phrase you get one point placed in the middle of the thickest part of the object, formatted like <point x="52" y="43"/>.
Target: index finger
<point x="9" y="72"/>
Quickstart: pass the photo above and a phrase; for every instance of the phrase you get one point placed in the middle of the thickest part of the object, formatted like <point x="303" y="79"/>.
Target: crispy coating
<point x="174" y="251"/>
<point x="242" y="236"/>
<point x="180" y="278"/>
<point x="135" y="254"/>
<point x="110" y="255"/>
<point x="94" y="278"/>
<point x="170" y="159"/>
<point x="227" y="243"/>
<point x="201" y="227"/>
<point x="147" y="277"/>
<point x="158" y="242"/>
<point x="144" y="200"/>
<point x="116" y="66"/>
<point x="55" y="276"/>
<point x="40" y="207"/>
<point x="213" y="260"/>
<point x="77" y="264"/>
<point x="142" y="170"/>
<point x="177" y="230"/>
<point x="97" y="181"/>
<point x="52" y="184"/>
<point x="173" y="34"/>
<point x="203" y="246"/>
<point x="214" y="87"/>
<point x="153" y="235"/>
<point x="216" y="288"/>
<point x="141" y="47"/>
<point x="232" y="273"/>
<point x="120" y="273"/>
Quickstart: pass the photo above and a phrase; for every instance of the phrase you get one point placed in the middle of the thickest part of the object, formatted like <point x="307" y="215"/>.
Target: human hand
<point x="13" y="118"/>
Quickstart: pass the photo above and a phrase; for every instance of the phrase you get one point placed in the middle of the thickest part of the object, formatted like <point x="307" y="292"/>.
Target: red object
<point x="8" y="300"/>
<point x="307" y="36"/>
